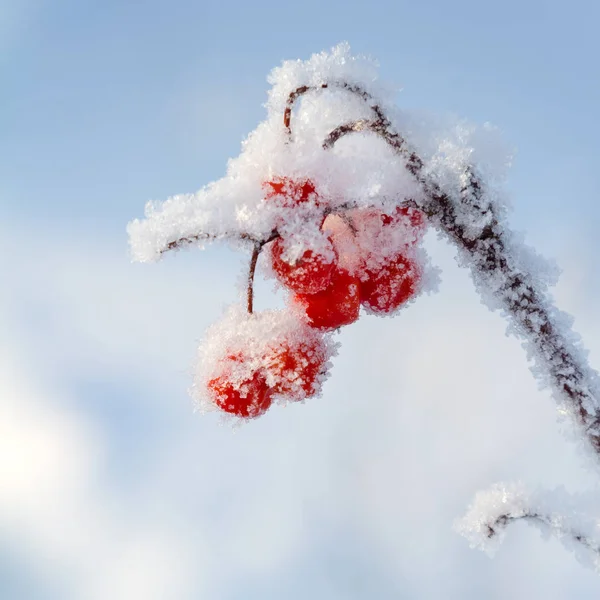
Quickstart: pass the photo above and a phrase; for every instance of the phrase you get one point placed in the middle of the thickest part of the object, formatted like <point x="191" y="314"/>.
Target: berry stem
<point x="182" y="242"/>
<point x="258" y="246"/>
<point x="250" y="292"/>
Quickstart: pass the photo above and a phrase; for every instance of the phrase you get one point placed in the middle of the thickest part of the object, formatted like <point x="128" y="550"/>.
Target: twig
<point x="343" y="85"/>
<point x="182" y="242"/>
<point x="503" y="520"/>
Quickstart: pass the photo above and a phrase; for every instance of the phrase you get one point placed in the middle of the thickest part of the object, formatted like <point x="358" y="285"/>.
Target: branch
<point x="500" y="523"/>
<point x="352" y="88"/>
<point x="492" y="510"/>
<point x="189" y="240"/>
<point x="533" y="316"/>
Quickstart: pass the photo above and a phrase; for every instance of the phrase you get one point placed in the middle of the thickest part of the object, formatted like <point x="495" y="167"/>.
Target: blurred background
<point x="110" y="485"/>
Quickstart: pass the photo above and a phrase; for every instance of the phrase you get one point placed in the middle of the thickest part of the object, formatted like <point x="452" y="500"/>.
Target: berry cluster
<point x="252" y="359"/>
<point x="348" y="258"/>
<point x="363" y="257"/>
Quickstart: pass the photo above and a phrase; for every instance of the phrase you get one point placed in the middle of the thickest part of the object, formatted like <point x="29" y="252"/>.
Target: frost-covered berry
<point x="335" y="306"/>
<point x="384" y="290"/>
<point x="296" y="365"/>
<point x="246" y="395"/>
<point x="250" y="398"/>
<point x="246" y="361"/>
<point x="307" y="274"/>
<point x="289" y="193"/>
<point x="381" y="234"/>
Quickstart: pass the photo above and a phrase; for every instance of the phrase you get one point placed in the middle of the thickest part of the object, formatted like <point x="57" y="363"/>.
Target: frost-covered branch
<point x="472" y="223"/>
<point x="554" y="513"/>
<point x="199" y="238"/>
<point x="550" y="521"/>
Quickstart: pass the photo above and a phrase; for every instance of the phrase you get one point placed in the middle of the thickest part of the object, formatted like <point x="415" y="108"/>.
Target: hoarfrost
<point x="573" y="520"/>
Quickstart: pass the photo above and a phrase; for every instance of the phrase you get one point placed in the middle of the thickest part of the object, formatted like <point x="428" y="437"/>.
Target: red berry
<point x="337" y="305"/>
<point x="247" y="396"/>
<point x="296" y="367"/>
<point x="309" y="274"/>
<point x="289" y="193"/>
<point x="386" y="289"/>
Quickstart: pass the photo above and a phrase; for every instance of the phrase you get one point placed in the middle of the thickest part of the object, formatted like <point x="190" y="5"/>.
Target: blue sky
<point x="110" y="486"/>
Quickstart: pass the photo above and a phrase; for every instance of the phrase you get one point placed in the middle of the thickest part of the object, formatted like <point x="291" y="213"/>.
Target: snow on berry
<point x="382" y="236"/>
<point x="243" y="396"/>
<point x="387" y="288"/>
<point x="246" y="360"/>
<point x="335" y="306"/>
<point x="289" y="193"/>
<point x="296" y="366"/>
<point x="307" y="273"/>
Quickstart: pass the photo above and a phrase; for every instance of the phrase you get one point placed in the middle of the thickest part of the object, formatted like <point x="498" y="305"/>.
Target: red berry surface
<point x="247" y="396"/>
<point x="288" y="192"/>
<point x="335" y="306"/>
<point x="309" y="274"/>
<point x="386" y="289"/>
<point x="296" y="367"/>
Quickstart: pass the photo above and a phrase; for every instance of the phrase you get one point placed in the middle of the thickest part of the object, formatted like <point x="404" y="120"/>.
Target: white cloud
<point x="419" y="413"/>
<point x="52" y="506"/>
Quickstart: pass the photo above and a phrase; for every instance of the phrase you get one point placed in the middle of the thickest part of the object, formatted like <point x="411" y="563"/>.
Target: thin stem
<point x="258" y="246"/>
<point x="189" y="240"/>
<point x="251" y="271"/>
